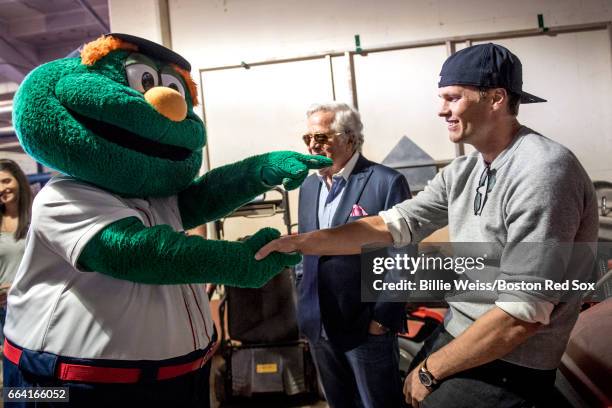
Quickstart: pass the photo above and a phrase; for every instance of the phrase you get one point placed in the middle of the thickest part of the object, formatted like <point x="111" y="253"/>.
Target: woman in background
<point x="15" y="211"/>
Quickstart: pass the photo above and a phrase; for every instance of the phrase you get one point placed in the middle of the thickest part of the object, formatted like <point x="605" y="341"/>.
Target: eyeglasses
<point x="320" y="138"/>
<point x="485" y="185"/>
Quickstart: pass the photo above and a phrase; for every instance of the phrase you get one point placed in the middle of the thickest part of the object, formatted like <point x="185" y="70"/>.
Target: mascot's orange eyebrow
<point x="95" y="50"/>
<point x="100" y="47"/>
<point x="189" y="82"/>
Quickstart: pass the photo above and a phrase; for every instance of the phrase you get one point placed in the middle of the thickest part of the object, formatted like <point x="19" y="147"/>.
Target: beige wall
<point x="140" y="17"/>
<point x="262" y="109"/>
<point x="214" y="32"/>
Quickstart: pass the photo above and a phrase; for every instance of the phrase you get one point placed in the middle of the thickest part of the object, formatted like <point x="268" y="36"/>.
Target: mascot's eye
<point x="147" y="81"/>
<point x="141" y="77"/>
<point x="173" y="82"/>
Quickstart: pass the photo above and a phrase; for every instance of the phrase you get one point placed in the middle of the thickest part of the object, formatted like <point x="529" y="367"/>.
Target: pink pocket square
<point x="358" y="211"/>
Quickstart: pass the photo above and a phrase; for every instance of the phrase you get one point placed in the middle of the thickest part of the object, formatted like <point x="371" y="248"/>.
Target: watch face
<point x="425" y="379"/>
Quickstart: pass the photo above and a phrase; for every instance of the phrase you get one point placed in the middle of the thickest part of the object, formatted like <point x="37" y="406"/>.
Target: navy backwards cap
<point x="486" y="66"/>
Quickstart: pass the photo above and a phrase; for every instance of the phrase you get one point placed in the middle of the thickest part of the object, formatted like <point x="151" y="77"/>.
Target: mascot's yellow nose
<point x="168" y="102"/>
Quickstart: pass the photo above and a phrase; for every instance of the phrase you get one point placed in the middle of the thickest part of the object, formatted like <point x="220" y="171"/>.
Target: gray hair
<point x="346" y="120"/>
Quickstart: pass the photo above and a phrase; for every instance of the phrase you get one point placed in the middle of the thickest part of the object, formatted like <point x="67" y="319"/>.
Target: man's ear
<point x="499" y="98"/>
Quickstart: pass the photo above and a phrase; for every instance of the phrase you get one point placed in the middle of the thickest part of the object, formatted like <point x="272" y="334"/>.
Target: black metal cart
<point x="261" y="352"/>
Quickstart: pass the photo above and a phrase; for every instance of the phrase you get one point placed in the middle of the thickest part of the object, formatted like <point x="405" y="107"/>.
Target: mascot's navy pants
<point x="188" y="390"/>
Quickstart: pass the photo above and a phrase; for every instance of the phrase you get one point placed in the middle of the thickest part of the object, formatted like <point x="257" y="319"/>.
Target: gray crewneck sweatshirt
<point x="541" y="194"/>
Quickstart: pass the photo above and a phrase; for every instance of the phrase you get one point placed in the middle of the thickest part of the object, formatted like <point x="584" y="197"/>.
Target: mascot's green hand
<point x="128" y="250"/>
<point x="289" y="168"/>
<point x="262" y="271"/>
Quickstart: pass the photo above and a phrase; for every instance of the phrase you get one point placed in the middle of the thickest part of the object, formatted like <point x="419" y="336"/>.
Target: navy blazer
<point x="330" y="289"/>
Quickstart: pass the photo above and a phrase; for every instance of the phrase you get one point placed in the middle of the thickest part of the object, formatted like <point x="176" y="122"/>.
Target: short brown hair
<point x="514" y="100"/>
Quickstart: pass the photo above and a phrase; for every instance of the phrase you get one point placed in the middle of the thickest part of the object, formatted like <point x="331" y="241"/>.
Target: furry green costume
<point x="122" y="128"/>
<point x="87" y="122"/>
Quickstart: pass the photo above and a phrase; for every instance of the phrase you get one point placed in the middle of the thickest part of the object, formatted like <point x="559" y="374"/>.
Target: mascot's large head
<point x="120" y="117"/>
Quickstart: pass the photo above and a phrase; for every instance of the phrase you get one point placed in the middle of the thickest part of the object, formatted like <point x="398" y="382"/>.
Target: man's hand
<point x="264" y="270"/>
<point x="377" y="329"/>
<point x="347" y="239"/>
<point x="289" y="168"/>
<point x="286" y="244"/>
<point x="414" y="391"/>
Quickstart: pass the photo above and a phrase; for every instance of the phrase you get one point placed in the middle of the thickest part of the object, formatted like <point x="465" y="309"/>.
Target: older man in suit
<point x="354" y="343"/>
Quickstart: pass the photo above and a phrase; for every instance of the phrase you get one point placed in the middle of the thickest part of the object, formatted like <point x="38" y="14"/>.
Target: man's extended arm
<point x="430" y="207"/>
<point x="343" y="240"/>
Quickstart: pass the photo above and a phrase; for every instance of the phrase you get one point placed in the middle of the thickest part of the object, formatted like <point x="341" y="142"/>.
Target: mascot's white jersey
<point x="55" y="307"/>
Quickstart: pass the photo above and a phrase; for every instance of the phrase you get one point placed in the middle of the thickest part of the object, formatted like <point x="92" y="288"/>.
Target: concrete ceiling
<point x="33" y="32"/>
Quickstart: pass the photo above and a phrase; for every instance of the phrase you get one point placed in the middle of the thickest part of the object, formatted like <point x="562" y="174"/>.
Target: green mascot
<point x="109" y="301"/>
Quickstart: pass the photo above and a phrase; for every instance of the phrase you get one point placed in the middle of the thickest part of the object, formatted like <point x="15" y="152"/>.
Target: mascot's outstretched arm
<point x="130" y="251"/>
<point x="222" y="190"/>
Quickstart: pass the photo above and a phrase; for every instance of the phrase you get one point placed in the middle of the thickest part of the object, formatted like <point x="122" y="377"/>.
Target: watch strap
<point x="425" y="370"/>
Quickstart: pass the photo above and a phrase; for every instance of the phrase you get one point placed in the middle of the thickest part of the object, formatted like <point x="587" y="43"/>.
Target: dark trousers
<point x="190" y="390"/>
<point x="496" y="384"/>
<point x="364" y="377"/>
<point x="2" y="321"/>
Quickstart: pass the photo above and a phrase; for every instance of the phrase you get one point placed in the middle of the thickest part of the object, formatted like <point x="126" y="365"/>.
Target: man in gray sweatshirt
<point x="518" y="187"/>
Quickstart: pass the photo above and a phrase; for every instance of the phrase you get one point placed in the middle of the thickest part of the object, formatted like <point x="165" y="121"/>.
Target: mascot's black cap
<point x="155" y="50"/>
<point x="147" y="47"/>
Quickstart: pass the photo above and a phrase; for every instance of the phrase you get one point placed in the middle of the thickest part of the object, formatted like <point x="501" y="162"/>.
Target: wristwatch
<point x="426" y="378"/>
